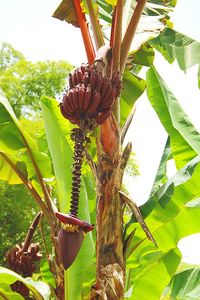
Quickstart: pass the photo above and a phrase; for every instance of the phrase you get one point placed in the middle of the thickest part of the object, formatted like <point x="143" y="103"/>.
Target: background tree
<point x="24" y="82"/>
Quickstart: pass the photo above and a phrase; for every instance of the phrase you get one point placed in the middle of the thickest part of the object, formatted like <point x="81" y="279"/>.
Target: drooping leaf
<point x="161" y="172"/>
<point x="7" y="173"/>
<point x="40" y="290"/>
<point x="61" y="153"/>
<point x="183" y="186"/>
<point x="132" y="89"/>
<point x="184" y="138"/>
<point x="175" y="45"/>
<point x="186" y="285"/>
<point x="14" y="142"/>
<point x="166" y="209"/>
<point x="154" y="276"/>
<point x="185" y="222"/>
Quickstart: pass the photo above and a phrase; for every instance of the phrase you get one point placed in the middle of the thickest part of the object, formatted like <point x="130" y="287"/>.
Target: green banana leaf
<point x="186" y="285"/>
<point x="57" y="130"/>
<point x="184" y="138"/>
<point x="143" y="56"/>
<point x="61" y="153"/>
<point x="7" y="294"/>
<point x="7" y="173"/>
<point x="146" y="258"/>
<point x="111" y="2"/>
<point x="13" y="143"/>
<point x="133" y="87"/>
<point x="183" y="187"/>
<point x="175" y="216"/>
<point x="175" y="45"/>
<point x="161" y="172"/>
<point x="39" y="289"/>
<point x="155" y="275"/>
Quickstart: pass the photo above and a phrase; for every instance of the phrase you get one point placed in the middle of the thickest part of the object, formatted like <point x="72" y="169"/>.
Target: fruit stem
<point x="78" y="137"/>
<point x="31" y="231"/>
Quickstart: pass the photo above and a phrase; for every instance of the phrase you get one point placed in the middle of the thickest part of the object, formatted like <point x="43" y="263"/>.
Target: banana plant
<point x="136" y="247"/>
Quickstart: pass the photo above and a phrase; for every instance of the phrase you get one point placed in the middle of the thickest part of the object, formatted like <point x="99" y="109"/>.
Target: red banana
<point x="81" y="93"/>
<point x="86" y="79"/>
<point x="108" y="100"/>
<point x="99" y="82"/>
<point x="92" y="80"/>
<point x="94" y="103"/>
<point x="100" y="118"/>
<point x="86" y="99"/>
<point x="67" y="104"/>
<point x="104" y="86"/>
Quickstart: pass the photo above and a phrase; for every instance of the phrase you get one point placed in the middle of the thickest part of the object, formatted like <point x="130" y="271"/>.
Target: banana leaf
<point x="184" y="138"/>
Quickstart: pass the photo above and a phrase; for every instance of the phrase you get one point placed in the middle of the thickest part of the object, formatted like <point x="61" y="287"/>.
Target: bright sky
<point x="29" y="27"/>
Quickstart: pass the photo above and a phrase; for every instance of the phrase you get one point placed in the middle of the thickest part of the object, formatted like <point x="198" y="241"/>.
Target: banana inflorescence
<point x="87" y="102"/>
<point x="90" y="95"/>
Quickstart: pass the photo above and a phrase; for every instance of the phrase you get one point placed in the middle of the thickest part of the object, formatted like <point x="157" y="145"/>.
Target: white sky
<point x="28" y="27"/>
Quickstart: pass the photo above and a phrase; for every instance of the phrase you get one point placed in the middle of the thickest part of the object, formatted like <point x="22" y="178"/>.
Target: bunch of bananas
<point x="90" y="95"/>
<point x="23" y="262"/>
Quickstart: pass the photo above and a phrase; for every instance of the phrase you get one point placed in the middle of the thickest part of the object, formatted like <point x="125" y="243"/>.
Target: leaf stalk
<point x="130" y="33"/>
<point x="89" y="48"/>
<point x="96" y="28"/>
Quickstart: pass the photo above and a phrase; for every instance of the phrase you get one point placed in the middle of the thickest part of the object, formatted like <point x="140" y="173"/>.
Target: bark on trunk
<point x="110" y="264"/>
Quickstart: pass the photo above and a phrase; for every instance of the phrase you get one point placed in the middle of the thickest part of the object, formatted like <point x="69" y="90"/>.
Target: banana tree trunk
<point x="110" y="264"/>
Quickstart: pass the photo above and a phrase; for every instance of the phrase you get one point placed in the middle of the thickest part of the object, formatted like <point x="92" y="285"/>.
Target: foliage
<point x="9" y="56"/>
<point x="39" y="290"/>
<point x="17" y="209"/>
<point x="185" y="286"/>
<point x="24" y="82"/>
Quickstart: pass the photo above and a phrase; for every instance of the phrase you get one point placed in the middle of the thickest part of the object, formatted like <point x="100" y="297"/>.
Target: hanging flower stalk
<point x="87" y="103"/>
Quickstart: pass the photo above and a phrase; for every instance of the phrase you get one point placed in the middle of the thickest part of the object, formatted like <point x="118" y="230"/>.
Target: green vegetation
<point x="24" y="82"/>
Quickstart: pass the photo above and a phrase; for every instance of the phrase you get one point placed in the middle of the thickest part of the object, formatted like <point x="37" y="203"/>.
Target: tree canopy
<point x="24" y="82"/>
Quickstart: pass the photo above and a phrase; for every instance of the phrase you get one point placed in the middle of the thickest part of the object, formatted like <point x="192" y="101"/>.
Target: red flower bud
<point x="69" y="245"/>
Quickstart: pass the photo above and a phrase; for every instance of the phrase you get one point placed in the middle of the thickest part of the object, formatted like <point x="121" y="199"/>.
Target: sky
<point x="28" y="27"/>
